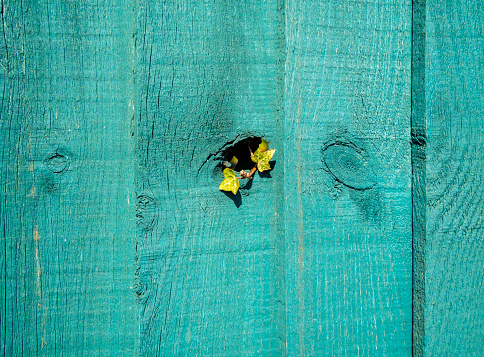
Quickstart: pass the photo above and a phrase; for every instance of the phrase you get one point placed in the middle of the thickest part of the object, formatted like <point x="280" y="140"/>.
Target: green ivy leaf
<point x="264" y="145"/>
<point x="233" y="162"/>
<point x="262" y="159"/>
<point x="230" y="183"/>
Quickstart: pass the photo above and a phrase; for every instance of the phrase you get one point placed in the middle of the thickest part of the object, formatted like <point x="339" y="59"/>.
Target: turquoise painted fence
<point x="364" y="239"/>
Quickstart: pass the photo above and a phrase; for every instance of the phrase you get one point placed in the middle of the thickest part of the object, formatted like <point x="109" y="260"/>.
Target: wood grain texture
<point x="211" y="272"/>
<point x="375" y="109"/>
<point x="347" y="178"/>
<point x="67" y="203"/>
<point x="454" y="252"/>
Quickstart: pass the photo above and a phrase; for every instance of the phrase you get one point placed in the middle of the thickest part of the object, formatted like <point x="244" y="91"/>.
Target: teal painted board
<point x="347" y="178"/>
<point x="312" y="259"/>
<point x="67" y="176"/>
<point x="454" y="252"/>
<point x="211" y="271"/>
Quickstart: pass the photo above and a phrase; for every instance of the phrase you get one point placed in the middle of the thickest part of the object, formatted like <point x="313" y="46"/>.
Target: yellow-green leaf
<point x="230" y="183"/>
<point x="234" y="162"/>
<point x="264" y="145"/>
<point x="257" y="156"/>
<point x="262" y="159"/>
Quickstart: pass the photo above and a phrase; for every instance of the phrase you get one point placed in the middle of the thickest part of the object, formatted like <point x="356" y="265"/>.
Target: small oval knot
<point x="347" y="165"/>
<point x="146" y="211"/>
<point x="56" y="163"/>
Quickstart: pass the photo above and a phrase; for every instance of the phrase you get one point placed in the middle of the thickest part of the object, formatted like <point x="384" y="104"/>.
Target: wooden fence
<point x="365" y="239"/>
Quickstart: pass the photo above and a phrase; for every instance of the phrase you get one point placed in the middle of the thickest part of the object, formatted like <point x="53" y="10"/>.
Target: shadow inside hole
<point x="242" y="153"/>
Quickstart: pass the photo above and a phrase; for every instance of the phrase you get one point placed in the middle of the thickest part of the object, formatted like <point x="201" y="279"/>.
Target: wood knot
<point x="346" y="163"/>
<point x="57" y="163"/>
<point x="146" y="207"/>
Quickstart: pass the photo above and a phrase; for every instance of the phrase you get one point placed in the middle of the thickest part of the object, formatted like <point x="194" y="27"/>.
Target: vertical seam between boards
<point x="281" y="83"/>
<point x="134" y="135"/>
<point x="418" y="134"/>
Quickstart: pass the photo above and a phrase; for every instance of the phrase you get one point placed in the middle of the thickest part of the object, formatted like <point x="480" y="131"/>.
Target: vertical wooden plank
<point x="454" y="251"/>
<point x="67" y="203"/>
<point x="347" y="178"/>
<point x="211" y="275"/>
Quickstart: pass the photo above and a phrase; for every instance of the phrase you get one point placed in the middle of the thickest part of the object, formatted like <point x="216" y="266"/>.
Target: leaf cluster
<point x="260" y="157"/>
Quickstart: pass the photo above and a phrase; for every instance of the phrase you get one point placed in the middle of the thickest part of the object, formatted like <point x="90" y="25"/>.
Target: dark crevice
<point x="242" y="152"/>
<point x="218" y="153"/>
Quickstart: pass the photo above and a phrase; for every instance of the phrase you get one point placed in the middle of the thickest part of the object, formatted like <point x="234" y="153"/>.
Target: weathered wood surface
<point x="347" y="178"/>
<point x="107" y="105"/>
<point x="211" y="269"/>
<point x="331" y="259"/>
<point x="454" y="250"/>
<point x="67" y="171"/>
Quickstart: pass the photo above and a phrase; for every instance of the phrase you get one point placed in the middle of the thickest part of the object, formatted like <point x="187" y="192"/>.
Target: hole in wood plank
<point x="242" y="154"/>
<point x="239" y="161"/>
